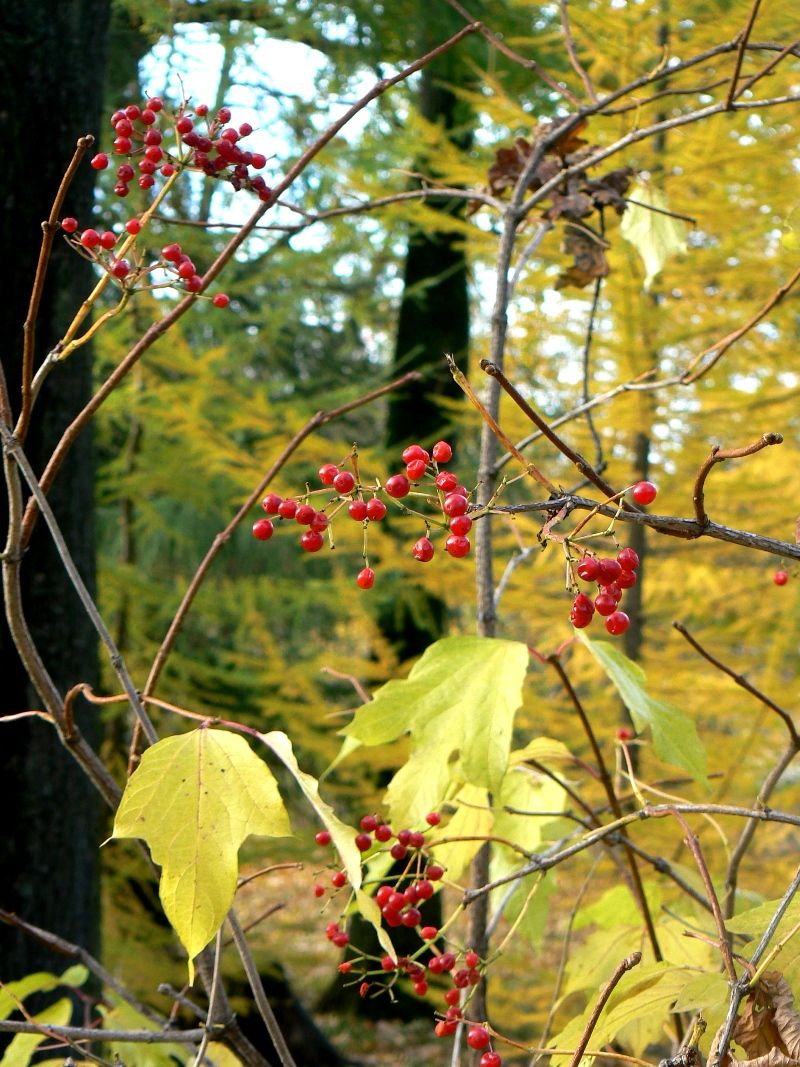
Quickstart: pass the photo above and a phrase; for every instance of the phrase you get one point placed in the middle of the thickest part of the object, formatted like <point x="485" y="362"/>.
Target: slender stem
<point x="622" y="968"/>
<point x="262" y="1003"/>
<point x="87" y="1033"/>
<point x="572" y="52"/>
<point x="212" y="998"/>
<point x="743" y="39"/>
<point x="717" y="456"/>
<point x="767" y="68"/>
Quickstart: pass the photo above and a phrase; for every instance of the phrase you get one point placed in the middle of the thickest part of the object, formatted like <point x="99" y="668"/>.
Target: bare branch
<point x="717" y="456"/>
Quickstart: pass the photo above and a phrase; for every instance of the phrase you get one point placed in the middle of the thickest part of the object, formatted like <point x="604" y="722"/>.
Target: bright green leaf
<point x="120" y="1015"/>
<point x="675" y="737"/>
<point x="459" y="698"/>
<point x="194" y="799"/>
<point x="655" y="236"/>
<point x="22" y="1046"/>
<point x="11" y="993"/>
<point x="704" y="991"/>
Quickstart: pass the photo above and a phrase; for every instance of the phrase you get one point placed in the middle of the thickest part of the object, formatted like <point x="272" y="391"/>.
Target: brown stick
<point x="49" y="231"/>
<point x="717" y="456"/>
<point x="721" y="347"/>
<point x="622" y="968"/>
<point x="572" y="52"/>
<point x="759" y="74"/>
<point x="743" y="39"/>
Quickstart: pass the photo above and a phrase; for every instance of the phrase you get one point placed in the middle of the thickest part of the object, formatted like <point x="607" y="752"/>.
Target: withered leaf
<point x="574" y="206"/>
<point x="590" y="260"/>
<point x="570" y="142"/>
<point x="768" y="1028"/>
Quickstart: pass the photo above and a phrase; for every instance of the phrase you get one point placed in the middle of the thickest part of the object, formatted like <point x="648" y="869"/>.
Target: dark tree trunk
<point x="51" y="63"/>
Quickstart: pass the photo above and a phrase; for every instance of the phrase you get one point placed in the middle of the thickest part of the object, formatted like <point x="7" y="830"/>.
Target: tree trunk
<point x="51" y="61"/>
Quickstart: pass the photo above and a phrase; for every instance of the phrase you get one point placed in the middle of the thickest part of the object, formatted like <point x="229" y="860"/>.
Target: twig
<point x="717" y="456"/>
<point x="622" y="968"/>
<point x="513" y="562"/>
<point x="694" y="847"/>
<point x="212" y="998"/>
<point x="576" y="458"/>
<point x="759" y="74"/>
<point x="587" y="351"/>
<point x="49" y="231"/>
<point x="262" y="1003"/>
<point x="743" y="39"/>
<point x="743" y="682"/>
<point x="86" y="1033"/>
<point x="569" y="43"/>
<point x="351" y="678"/>
<point x="543" y="229"/>
<point x="780" y="911"/>
<point x="661" y="211"/>
<point x="721" y="347"/>
<point x="13" y="447"/>
<point x="320" y="419"/>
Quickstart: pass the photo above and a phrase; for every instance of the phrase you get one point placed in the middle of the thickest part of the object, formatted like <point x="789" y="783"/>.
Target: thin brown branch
<point x="743" y="39"/>
<point x="622" y="968"/>
<point x="662" y="211"/>
<point x="522" y="61"/>
<point x="719" y="348"/>
<point x="49" y="231"/>
<point x="572" y="52"/>
<point x="717" y="456"/>
<point x="767" y="68"/>
<point x="743" y="682"/>
<point x="87" y="1033"/>
<point x="694" y="847"/>
<point x="157" y="329"/>
<point x="576" y="458"/>
<point x="317" y="420"/>
<point x="351" y="678"/>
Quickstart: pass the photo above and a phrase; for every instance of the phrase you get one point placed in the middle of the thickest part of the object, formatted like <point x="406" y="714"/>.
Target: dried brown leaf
<point x="590" y="260"/>
<point x="768" y="1028"/>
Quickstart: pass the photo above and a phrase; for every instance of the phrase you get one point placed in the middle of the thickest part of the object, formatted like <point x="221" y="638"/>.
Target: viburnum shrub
<point x="498" y="801"/>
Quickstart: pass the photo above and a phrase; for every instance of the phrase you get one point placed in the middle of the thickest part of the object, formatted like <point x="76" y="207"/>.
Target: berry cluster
<point x="400" y="900"/>
<point x="612" y="576"/>
<point x="215" y="151"/>
<point x="444" y="497"/>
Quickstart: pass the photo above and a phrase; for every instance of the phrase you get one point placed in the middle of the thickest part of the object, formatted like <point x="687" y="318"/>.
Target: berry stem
<point x="717" y="456"/>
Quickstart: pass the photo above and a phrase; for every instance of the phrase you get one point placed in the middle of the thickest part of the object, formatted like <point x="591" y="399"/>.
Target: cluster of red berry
<point x="612" y="576"/>
<point x="446" y="495"/>
<point x="215" y="152"/>
<point x="400" y="907"/>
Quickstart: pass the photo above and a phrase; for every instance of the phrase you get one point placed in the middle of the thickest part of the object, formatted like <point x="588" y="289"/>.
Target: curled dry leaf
<point x="590" y="262"/>
<point x="768" y="1028"/>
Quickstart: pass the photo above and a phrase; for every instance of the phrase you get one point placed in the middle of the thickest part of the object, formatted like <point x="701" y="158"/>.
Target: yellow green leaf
<point x="22" y="1046"/>
<point x="194" y="799"/>
<point x="655" y="236"/>
<point x="11" y="993"/>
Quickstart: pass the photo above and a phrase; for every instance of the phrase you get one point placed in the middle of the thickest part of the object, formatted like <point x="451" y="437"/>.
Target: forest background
<point x="322" y="312"/>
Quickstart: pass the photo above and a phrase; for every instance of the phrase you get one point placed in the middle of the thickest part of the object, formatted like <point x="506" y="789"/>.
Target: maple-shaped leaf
<point x="655" y="236"/>
<point x="458" y="700"/>
<point x="194" y="799"/>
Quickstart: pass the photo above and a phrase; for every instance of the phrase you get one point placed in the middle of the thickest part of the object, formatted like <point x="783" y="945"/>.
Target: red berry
<point x="323" y="837"/>
<point x="152" y="138"/>
<point x="369" y="823"/>
<point x="108" y="239"/>
<point x="624" y="733"/>
<point x="245" y="129"/>
<point x="220" y="300"/>
<point x="259" y="161"/>
<point x="428" y="933"/>
<point x="363" y="842"/>
<point x="123" y="127"/>
<point x="346" y="967"/>
<point x="366" y="578"/>
<point x="153" y="153"/>
<point x="628" y="559"/>
<point x="398" y="485"/>
<point x="167" y="170"/>
<point x="417" y="839"/>
<point x="421" y="988"/>
<point x="171" y="253"/>
<point x="461" y="524"/>
<point x="193" y="284"/>
<point x="320" y="521"/>
<point x="609" y="571"/>
<point x="121" y="189"/>
<point x="305" y="514"/>
<point x="579" y="619"/>
<point x="490" y="1059"/>
<point x="478" y="1037"/>
<point x="403" y="836"/>
<point x="147" y="181"/>
<point x="422" y="550"/>
<point x="154" y="103"/>
<point x="605" y="603"/>
<point x="442" y="452"/>
<point x="287" y="509"/>
<point x="339" y="878"/>
<point x="90" y="238"/>
<point x="457" y="546"/>
<point x="433" y="818"/>
<point x="327" y="473"/>
<point x="780" y="577"/>
<point x="472" y="959"/>
<point x="589" y="568"/>
<point x="452" y="997"/>
<point x="434" y="872"/>
<point x="383" y="833"/>
<point x="184" y="124"/>
<point x="412" y="918"/>
<point x="614" y="589"/>
<point x="357" y="509"/>
<point x="455" y="504"/>
<point x="344" y="482"/>
<point x="398" y="851"/>
<point x="376" y="509"/>
<point x="626" y="579"/>
<point x="120" y="268"/>
<point x="148" y="116"/>
<point x="415" y="452"/>
<point x="447" y="962"/>
<point x="644" y="492"/>
<point x="341" y="939"/>
<point x="133" y="226"/>
<point x="311" y="541"/>
<point x="69" y="224"/>
<point x="133" y="112"/>
<point x="100" y="161"/>
<point x="382" y="896"/>
<point x="224" y="114"/>
<point x="262" y="530"/>
<point x="617" y="623"/>
<point x="415" y="470"/>
<point x="424" y="890"/>
<point x="122" y="145"/>
<point x="445" y="1027"/>
<point x="446" y="481"/>
<point x="319" y="890"/>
